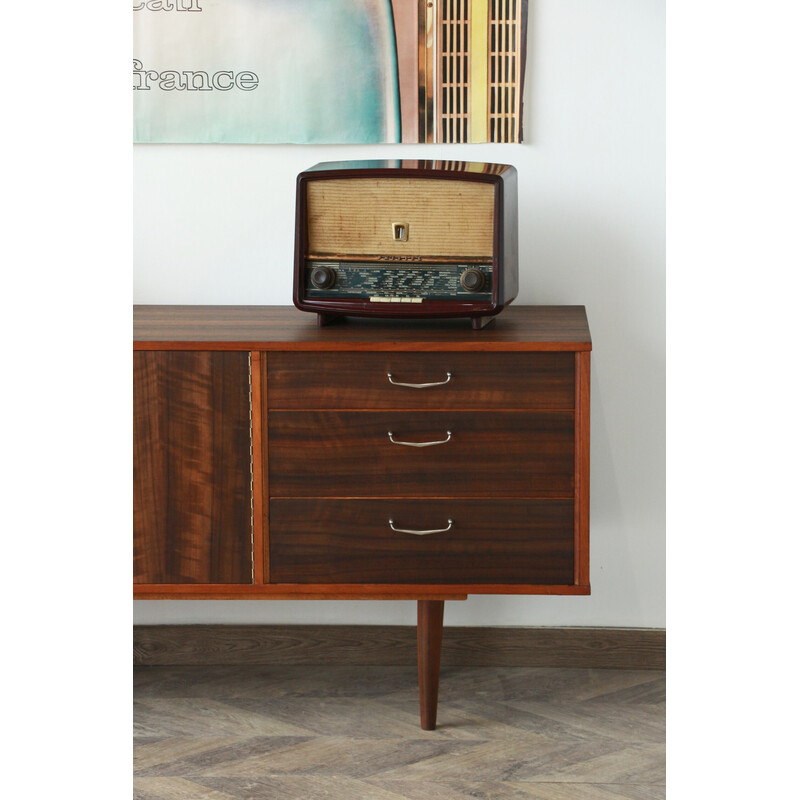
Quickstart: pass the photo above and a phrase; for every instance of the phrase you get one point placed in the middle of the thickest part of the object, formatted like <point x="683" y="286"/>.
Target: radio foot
<point x="328" y="319"/>
<point x="480" y="322"/>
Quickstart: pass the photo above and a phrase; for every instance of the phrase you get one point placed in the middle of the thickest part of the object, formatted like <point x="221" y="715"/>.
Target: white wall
<point x="214" y="224"/>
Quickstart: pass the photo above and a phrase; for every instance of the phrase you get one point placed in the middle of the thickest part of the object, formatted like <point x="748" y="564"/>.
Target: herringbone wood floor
<point x="352" y="733"/>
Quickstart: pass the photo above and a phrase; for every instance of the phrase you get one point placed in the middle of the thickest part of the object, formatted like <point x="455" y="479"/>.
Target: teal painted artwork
<point x="328" y="71"/>
<point x="303" y="71"/>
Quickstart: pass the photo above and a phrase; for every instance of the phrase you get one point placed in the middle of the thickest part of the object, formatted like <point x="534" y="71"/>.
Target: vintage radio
<point x="406" y="239"/>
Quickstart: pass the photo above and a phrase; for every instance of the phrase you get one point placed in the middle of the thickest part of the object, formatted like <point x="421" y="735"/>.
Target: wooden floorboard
<point x="503" y="733"/>
<point x="396" y="645"/>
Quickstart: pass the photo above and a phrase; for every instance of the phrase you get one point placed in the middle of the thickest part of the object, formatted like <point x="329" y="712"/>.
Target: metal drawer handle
<point x="419" y="444"/>
<point x="421" y="533"/>
<point x="419" y="385"/>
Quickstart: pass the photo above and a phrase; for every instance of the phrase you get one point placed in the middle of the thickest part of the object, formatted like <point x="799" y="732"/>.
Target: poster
<point x="328" y="71"/>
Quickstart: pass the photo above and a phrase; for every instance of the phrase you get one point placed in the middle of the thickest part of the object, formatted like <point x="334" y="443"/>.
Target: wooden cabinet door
<point x="192" y="519"/>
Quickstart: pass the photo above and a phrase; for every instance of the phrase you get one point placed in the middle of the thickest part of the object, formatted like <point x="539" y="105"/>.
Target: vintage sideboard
<point x="420" y="460"/>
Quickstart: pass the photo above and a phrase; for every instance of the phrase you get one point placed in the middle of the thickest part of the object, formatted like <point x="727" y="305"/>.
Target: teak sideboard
<point x="419" y="460"/>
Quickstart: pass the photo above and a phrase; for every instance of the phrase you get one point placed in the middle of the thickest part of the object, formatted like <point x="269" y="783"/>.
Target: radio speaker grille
<point x="354" y="218"/>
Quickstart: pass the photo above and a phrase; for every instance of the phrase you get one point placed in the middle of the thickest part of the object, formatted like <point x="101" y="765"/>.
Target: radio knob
<point x="472" y="280"/>
<point x="323" y="277"/>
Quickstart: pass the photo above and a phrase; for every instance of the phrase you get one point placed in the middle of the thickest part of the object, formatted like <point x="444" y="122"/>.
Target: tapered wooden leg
<point x="430" y="615"/>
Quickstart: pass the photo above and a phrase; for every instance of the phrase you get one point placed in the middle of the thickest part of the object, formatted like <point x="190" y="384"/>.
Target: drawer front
<point x="481" y="454"/>
<point x="477" y="380"/>
<point x="351" y="541"/>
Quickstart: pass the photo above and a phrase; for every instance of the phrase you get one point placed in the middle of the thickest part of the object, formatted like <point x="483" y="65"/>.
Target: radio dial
<point x="323" y="277"/>
<point x="472" y="280"/>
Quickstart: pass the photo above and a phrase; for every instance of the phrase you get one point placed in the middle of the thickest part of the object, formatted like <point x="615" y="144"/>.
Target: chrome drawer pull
<point x="419" y="444"/>
<point x="419" y="385"/>
<point x="421" y="533"/>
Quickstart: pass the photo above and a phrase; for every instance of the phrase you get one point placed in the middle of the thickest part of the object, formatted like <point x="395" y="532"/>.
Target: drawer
<point x="477" y="380"/>
<point x="482" y="454"/>
<point x="489" y="541"/>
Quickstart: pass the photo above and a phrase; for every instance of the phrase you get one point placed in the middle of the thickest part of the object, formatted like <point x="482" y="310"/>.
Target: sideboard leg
<point x="430" y="615"/>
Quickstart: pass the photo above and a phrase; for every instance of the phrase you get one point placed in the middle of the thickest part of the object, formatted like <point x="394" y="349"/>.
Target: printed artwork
<point x="328" y="71"/>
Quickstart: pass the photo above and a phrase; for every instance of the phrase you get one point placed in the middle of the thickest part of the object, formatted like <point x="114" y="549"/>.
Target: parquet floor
<point x="352" y="733"/>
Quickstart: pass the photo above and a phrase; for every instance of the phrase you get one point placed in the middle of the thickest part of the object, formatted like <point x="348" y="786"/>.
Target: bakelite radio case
<point x="413" y="239"/>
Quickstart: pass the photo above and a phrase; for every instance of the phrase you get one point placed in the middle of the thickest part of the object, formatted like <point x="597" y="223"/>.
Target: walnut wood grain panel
<point x="349" y="454"/>
<point x="191" y="520"/>
<point x="478" y="380"/>
<point x="582" y="420"/>
<point x="517" y="328"/>
<point x="490" y="541"/>
<point x="354" y="216"/>
<point x="261" y="411"/>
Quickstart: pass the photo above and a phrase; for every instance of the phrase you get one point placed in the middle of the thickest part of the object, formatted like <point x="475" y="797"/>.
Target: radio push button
<point x="323" y="277"/>
<point x="472" y="280"/>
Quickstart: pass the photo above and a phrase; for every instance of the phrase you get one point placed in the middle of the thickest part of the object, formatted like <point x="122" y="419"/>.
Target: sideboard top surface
<point x="171" y="327"/>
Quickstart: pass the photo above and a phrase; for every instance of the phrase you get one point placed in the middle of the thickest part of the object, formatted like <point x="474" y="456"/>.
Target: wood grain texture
<point x="583" y="381"/>
<point x="345" y="591"/>
<point x="350" y="732"/>
<point x="334" y="591"/>
<point x="501" y="381"/>
<point x="527" y="333"/>
<point x="261" y="412"/>
<point x="355" y="216"/>
<point x="430" y="615"/>
<point x="518" y="328"/>
<point x="349" y="454"/>
<point x="491" y="542"/>
<point x="586" y="648"/>
<point x="191" y="506"/>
